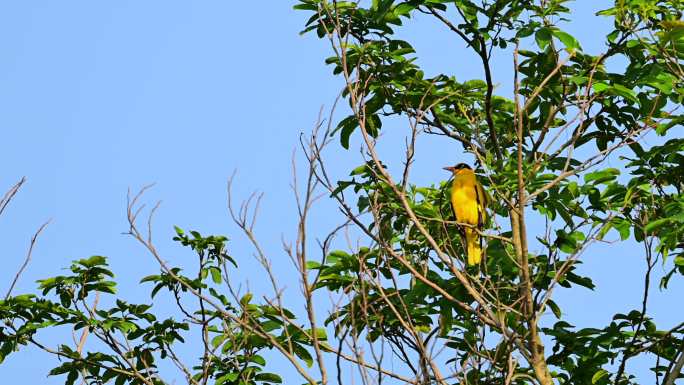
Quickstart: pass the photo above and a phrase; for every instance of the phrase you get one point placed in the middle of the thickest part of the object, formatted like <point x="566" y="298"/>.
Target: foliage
<point x="133" y="340"/>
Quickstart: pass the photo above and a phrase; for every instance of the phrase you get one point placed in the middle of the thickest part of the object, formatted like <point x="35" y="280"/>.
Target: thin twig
<point x="29" y="254"/>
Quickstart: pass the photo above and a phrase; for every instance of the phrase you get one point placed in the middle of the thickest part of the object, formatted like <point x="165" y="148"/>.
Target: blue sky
<point x="97" y="97"/>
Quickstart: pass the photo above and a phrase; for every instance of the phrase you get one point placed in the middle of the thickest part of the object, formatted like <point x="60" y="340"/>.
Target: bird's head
<point x="458" y="168"/>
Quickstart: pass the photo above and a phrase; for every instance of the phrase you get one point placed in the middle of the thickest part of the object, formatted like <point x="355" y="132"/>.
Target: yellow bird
<point x="469" y="201"/>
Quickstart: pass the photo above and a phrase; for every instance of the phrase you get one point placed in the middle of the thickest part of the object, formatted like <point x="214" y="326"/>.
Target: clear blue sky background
<point x="97" y="97"/>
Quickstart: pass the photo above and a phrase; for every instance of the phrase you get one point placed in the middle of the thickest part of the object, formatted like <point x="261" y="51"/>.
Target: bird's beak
<point x="449" y="168"/>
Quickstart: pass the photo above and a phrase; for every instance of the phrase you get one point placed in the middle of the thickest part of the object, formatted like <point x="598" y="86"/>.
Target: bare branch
<point x="7" y="198"/>
<point x="29" y="253"/>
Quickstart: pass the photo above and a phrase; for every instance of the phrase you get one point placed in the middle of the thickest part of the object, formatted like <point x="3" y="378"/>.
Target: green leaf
<point x="150" y="278"/>
<point x="179" y="231"/>
<point x="568" y="40"/>
<point x="600" y="87"/>
<point x="5" y="349"/>
<point x="625" y="92"/>
<point x="598" y="376"/>
<point x="403" y="9"/>
<point x="64" y="368"/>
<point x="347" y="126"/>
<point x="359" y="170"/>
<point x="601" y="176"/>
<point x="656" y="224"/>
<point x="244" y="301"/>
<point x="305" y="7"/>
<point x="269" y="377"/>
<point x="623" y="227"/>
<point x="555" y="309"/>
<point x="321" y="334"/>
<point x="579" y="280"/>
<point x="215" y="274"/>
<point x="257" y="359"/>
<point x="228" y="378"/>
<point x="303" y="354"/>
<point x="108" y="375"/>
<point x="71" y="377"/>
<point x="95" y="260"/>
<point x="543" y="37"/>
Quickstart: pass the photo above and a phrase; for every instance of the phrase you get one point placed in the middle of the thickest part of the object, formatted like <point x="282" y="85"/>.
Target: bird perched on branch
<point x="469" y="201"/>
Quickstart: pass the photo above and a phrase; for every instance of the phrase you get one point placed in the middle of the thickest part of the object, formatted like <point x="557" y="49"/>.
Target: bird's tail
<point x="472" y="239"/>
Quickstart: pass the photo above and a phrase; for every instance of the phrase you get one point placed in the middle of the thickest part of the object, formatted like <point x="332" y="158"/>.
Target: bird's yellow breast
<point x="465" y="199"/>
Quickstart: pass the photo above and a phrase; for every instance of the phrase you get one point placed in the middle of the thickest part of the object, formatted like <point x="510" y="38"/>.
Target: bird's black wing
<point x="481" y="200"/>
